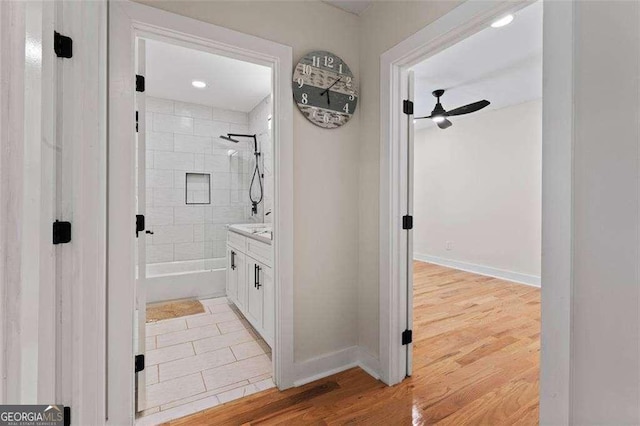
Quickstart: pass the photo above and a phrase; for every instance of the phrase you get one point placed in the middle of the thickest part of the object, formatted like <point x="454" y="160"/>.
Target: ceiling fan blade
<point x="444" y="124"/>
<point x="467" y="109"/>
<point x="420" y="118"/>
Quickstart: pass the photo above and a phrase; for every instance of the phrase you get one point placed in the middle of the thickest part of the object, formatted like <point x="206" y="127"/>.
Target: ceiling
<point x="231" y="84"/>
<point x="356" y="7"/>
<point x="501" y="65"/>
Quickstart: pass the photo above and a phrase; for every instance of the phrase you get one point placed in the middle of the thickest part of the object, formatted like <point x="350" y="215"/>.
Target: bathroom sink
<point x="259" y="231"/>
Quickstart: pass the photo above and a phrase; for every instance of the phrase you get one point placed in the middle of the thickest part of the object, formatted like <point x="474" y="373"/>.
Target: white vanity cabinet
<point x="250" y="282"/>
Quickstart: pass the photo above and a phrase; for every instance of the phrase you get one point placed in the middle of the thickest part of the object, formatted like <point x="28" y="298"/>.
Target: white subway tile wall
<point x="259" y="125"/>
<point x="183" y="138"/>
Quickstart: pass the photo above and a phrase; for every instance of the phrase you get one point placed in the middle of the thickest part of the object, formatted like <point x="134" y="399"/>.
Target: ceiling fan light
<point x="438" y="119"/>
<point x="198" y="84"/>
<point x="504" y="21"/>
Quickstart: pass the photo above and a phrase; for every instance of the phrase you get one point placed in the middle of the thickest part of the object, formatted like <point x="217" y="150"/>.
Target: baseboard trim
<point x="325" y="365"/>
<point x="336" y="362"/>
<point x="488" y="271"/>
<point x="369" y="363"/>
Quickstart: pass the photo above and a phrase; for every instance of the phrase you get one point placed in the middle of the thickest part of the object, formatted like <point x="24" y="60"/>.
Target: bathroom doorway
<point x="208" y="162"/>
<point x="204" y="169"/>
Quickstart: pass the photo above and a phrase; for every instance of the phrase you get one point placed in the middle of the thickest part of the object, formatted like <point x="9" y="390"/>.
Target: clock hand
<point x="327" y="89"/>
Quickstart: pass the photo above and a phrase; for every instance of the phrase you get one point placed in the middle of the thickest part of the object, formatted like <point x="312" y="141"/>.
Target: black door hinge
<point x="139" y="224"/>
<point x="67" y="416"/>
<point x="407" y="222"/>
<point x="139" y="83"/>
<point x="407" y="337"/>
<point x="61" y="232"/>
<point x="139" y="364"/>
<point x="136" y="121"/>
<point x="407" y="107"/>
<point x="62" y="45"/>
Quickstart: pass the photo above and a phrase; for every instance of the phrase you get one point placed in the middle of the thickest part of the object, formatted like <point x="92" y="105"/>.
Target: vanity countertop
<point x="258" y="231"/>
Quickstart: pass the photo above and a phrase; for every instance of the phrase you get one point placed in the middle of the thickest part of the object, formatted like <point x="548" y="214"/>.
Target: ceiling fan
<point x="439" y="114"/>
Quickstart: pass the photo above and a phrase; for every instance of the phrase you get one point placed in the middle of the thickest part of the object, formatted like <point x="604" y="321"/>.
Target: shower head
<point x="229" y="138"/>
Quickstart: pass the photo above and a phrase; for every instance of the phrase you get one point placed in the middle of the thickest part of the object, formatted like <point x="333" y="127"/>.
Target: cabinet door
<point x="255" y="292"/>
<point x="269" y="305"/>
<point x="236" y="285"/>
<point x="232" y="275"/>
<point x="241" y="281"/>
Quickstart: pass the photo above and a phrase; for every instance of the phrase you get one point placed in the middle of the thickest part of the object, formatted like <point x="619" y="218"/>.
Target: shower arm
<point x="240" y="135"/>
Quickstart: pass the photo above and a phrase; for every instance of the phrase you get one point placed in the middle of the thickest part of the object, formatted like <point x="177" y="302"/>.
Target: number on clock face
<point x="324" y="89"/>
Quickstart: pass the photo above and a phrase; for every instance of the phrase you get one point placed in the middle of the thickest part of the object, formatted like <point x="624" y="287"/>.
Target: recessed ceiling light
<point x="505" y="20"/>
<point x="198" y="84"/>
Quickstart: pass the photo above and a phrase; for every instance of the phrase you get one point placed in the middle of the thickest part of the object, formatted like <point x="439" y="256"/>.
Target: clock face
<point x="325" y="89"/>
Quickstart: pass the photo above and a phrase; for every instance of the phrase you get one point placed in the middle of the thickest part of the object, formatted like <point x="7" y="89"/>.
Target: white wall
<point x="606" y="291"/>
<point x="477" y="191"/>
<point x="325" y="169"/>
<point x="182" y="138"/>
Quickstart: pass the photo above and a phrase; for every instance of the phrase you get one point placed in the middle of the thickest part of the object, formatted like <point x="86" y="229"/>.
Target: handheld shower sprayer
<point x="232" y="137"/>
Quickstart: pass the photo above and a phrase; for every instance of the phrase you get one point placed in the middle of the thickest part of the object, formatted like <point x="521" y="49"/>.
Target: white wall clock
<point x="325" y="89"/>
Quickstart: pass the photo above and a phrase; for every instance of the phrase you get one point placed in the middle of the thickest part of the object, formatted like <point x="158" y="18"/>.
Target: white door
<point x="141" y="261"/>
<point x="409" y="232"/>
<point x="255" y="298"/>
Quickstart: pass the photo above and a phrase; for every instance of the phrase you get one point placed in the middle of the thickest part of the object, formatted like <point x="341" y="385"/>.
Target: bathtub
<point x="199" y="279"/>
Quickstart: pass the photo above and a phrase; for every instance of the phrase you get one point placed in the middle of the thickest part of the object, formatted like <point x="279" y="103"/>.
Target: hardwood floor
<point x="476" y="362"/>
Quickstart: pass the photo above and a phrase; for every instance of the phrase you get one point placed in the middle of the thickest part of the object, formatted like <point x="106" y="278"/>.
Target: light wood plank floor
<point x="475" y="362"/>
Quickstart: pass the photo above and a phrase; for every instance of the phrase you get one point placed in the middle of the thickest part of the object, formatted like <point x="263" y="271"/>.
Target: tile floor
<point x="200" y="361"/>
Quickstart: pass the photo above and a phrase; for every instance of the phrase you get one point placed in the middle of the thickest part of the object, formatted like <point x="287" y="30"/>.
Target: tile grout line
<point x="247" y="382"/>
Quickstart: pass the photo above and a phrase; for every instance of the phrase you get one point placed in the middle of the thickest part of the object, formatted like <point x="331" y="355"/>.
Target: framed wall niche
<point x="197" y="188"/>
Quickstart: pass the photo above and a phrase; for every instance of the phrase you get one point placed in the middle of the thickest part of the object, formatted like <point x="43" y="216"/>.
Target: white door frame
<point x="28" y="111"/>
<point x="126" y="21"/>
<point x="557" y="147"/>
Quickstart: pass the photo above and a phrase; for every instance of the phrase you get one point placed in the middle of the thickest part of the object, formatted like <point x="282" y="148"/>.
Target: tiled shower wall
<point x="259" y="125"/>
<point x="181" y="138"/>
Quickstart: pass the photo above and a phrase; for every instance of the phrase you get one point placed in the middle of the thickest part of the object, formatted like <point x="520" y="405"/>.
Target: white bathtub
<point x="186" y="279"/>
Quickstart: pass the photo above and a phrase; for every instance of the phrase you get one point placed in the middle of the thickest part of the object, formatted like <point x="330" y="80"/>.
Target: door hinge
<point x="407" y="222"/>
<point x="407" y="337"/>
<point x="139" y="224"/>
<point x="61" y="232"/>
<point x="136" y="121"/>
<point x="407" y="107"/>
<point x="139" y="83"/>
<point x="62" y="45"/>
<point x="139" y="364"/>
<point x="67" y="415"/>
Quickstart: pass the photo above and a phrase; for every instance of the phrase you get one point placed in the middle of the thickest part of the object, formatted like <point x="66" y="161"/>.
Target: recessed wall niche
<point x="198" y="188"/>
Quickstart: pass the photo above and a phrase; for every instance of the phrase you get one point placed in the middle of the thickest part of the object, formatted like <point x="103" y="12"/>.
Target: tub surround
<point x="181" y="138"/>
<point x="259" y="125"/>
